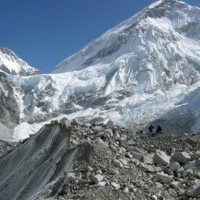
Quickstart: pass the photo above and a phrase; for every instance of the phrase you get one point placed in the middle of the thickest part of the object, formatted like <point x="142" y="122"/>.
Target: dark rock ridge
<point x="37" y="166"/>
<point x="9" y="107"/>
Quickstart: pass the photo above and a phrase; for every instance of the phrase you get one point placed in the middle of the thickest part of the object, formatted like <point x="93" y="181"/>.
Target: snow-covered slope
<point x="162" y="23"/>
<point x="146" y="69"/>
<point x="12" y="64"/>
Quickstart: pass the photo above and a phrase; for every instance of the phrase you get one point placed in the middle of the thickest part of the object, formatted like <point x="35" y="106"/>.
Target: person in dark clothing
<point x="159" y="129"/>
<point x="151" y="130"/>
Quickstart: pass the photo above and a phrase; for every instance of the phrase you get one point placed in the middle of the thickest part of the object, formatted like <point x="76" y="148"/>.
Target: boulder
<point x="123" y="161"/>
<point x="115" y="185"/>
<point x="110" y="123"/>
<point x="174" y="166"/>
<point x="181" y="172"/>
<point x="194" y="165"/>
<point x="164" y="178"/>
<point x="71" y="176"/>
<point x="161" y="158"/>
<point x="113" y="171"/>
<point x="101" y="183"/>
<point x="109" y="132"/>
<point x="117" y="163"/>
<point x="147" y="167"/>
<point x="137" y="155"/>
<point x="181" y="157"/>
<point x="148" y="158"/>
<point x="154" y="197"/>
<point x="97" y="129"/>
<point x="175" y="184"/>
<point x="97" y="178"/>
<point x="139" y="150"/>
<point x="194" y="190"/>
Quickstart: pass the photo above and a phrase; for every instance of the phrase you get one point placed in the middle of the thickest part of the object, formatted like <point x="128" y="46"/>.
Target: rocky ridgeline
<point x="129" y="166"/>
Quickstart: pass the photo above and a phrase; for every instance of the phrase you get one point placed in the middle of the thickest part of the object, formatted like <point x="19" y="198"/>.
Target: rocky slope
<point x="100" y="161"/>
<point x="38" y="166"/>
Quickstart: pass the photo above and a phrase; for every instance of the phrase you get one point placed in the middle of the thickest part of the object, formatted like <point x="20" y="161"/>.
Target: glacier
<point x="144" y="70"/>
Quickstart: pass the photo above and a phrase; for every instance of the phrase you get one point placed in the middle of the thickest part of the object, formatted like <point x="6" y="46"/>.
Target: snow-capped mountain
<point x="146" y="69"/>
<point x="12" y="64"/>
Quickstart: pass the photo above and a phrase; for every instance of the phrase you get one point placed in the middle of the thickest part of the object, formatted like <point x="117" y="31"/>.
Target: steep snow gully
<point x="38" y="166"/>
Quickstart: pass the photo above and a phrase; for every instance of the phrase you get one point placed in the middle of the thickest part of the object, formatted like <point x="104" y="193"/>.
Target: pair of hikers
<point x="158" y="130"/>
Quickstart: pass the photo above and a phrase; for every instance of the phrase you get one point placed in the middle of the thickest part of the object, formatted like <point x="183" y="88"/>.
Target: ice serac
<point x="146" y="69"/>
<point x="12" y="64"/>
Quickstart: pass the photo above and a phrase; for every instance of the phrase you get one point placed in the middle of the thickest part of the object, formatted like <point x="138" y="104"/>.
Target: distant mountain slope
<point x="12" y="64"/>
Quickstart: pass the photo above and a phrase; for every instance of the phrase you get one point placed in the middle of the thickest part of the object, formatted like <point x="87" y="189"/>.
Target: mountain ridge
<point x="12" y="64"/>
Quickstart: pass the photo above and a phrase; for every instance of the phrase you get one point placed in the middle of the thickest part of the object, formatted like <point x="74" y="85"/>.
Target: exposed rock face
<point x="9" y="107"/>
<point x="39" y="165"/>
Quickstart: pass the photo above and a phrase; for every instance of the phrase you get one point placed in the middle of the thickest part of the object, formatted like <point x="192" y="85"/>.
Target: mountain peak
<point x="175" y="14"/>
<point x="12" y="64"/>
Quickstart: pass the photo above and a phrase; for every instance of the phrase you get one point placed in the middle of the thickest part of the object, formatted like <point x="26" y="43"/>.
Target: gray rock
<point x="101" y="183"/>
<point x="135" y="161"/>
<point x="110" y="123"/>
<point x="109" y="132"/>
<point x="147" y="167"/>
<point x="172" y="192"/>
<point x="97" y="129"/>
<point x="174" y="166"/>
<point x="154" y="197"/>
<point x="175" y="184"/>
<point x="99" y="141"/>
<point x="164" y="178"/>
<point x="126" y="190"/>
<point x="113" y="171"/>
<point x="194" y="165"/>
<point x="140" y="151"/>
<point x="117" y="163"/>
<point x="137" y="156"/>
<point x="161" y="158"/>
<point x="115" y="185"/>
<point x="182" y="172"/>
<point x="123" y="161"/>
<point x="122" y="150"/>
<point x="148" y="158"/>
<point x="97" y="178"/>
<point x="194" y="190"/>
<point x="71" y="176"/>
<point x="131" y="142"/>
<point x="181" y="157"/>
